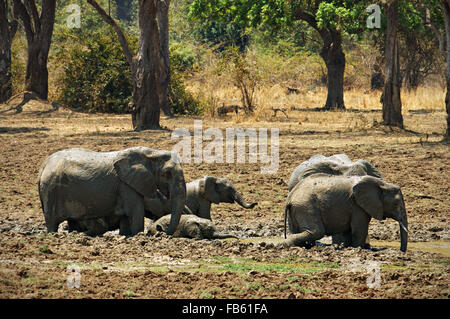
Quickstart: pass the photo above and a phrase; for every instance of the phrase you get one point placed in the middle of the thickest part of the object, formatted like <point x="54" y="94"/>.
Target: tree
<point x="446" y="11"/>
<point x="38" y="31"/>
<point x="392" y="104"/>
<point x="8" y="28"/>
<point x="329" y="18"/>
<point x="149" y="66"/>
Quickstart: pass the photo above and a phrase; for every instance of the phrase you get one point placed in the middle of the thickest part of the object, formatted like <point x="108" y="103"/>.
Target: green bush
<point x="182" y="101"/>
<point x="96" y="76"/>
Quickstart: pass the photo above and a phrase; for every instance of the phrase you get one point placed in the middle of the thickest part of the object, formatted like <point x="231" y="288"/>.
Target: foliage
<point x="244" y="74"/>
<point x="96" y="75"/>
<point x="181" y="100"/>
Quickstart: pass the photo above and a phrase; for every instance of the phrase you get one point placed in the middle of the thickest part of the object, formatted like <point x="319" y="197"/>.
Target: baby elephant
<point x="325" y="205"/>
<point x="190" y="226"/>
<point x="209" y="189"/>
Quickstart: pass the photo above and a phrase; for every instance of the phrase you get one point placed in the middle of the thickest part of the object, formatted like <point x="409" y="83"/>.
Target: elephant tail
<point x="286" y="211"/>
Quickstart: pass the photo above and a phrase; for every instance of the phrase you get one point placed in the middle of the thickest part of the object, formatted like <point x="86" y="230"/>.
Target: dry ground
<point x="33" y="264"/>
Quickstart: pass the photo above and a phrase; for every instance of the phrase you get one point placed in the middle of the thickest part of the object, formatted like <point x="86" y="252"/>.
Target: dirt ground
<point x="34" y="264"/>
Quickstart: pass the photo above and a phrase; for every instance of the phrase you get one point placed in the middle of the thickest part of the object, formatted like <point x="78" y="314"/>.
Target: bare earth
<point x="33" y="264"/>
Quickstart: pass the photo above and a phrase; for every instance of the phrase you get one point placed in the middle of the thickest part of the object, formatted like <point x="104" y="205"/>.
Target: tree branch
<point x="31" y="6"/>
<point x="122" y="39"/>
<point x="19" y="10"/>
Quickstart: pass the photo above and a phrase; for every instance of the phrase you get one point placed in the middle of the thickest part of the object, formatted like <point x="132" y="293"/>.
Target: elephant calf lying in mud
<point x="327" y="205"/>
<point x="190" y="226"/>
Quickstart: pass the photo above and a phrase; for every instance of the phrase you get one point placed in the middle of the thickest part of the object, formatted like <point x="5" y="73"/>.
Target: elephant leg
<point x="305" y="238"/>
<point x="359" y="229"/>
<point x="344" y="239"/>
<point x="52" y="224"/>
<point x="96" y="227"/>
<point x="74" y="225"/>
<point x="124" y="228"/>
<point x="305" y="227"/>
<point x="133" y="206"/>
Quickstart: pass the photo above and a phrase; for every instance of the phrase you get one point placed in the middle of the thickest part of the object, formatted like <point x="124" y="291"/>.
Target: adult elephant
<point x="202" y="192"/>
<point x="80" y="184"/>
<point x="326" y="205"/>
<point x="335" y="165"/>
<point x="338" y="164"/>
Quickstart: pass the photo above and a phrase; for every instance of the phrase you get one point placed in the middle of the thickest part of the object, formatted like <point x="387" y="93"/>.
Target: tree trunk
<point x="334" y="59"/>
<point x="36" y="78"/>
<point x="38" y="30"/>
<point x="392" y="104"/>
<point x="163" y="24"/>
<point x="335" y="81"/>
<point x="148" y="70"/>
<point x="446" y="10"/>
<point x="7" y="32"/>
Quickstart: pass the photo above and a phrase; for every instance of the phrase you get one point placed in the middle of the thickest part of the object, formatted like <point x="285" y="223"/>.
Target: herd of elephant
<point x="96" y="192"/>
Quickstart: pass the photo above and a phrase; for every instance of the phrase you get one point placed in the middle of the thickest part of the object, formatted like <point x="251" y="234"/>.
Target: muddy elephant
<point x="79" y="184"/>
<point x="154" y="208"/>
<point x="340" y="165"/>
<point x="190" y="226"/>
<point x="209" y="189"/>
<point x="324" y="205"/>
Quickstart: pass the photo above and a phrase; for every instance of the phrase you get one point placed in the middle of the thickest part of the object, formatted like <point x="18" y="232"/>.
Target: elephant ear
<point x="370" y="169"/>
<point x="367" y="194"/>
<point x="135" y="174"/>
<point x="208" y="189"/>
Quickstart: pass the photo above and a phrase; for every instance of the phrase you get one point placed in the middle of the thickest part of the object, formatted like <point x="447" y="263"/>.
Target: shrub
<point x="96" y="75"/>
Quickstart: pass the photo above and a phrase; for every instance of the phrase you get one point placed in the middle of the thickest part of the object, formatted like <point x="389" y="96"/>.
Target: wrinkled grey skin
<point x="154" y="208"/>
<point x="190" y="226"/>
<point x="82" y="185"/>
<point x="209" y="189"/>
<point x="338" y="164"/>
<point x="324" y="205"/>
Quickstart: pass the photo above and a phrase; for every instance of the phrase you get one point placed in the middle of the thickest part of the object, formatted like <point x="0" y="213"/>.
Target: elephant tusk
<point x="403" y="227"/>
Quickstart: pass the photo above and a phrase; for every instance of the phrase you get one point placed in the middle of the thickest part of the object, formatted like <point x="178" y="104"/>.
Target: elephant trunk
<point x="403" y="223"/>
<point x="217" y="235"/>
<point x="240" y="200"/>
<point x="178" y="200"/>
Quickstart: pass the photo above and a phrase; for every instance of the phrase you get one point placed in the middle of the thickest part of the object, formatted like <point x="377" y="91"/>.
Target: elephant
<point x="338" y="164"/>
<point x="202" y="192"/>
<point x="323" y="205"/>
<point x="154" y="208"/>
<point x="83" y="185"/>
<point x="190" y="226"/>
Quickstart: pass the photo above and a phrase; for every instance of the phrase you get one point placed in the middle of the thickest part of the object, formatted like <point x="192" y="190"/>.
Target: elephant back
<point x="336" y="165"/>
